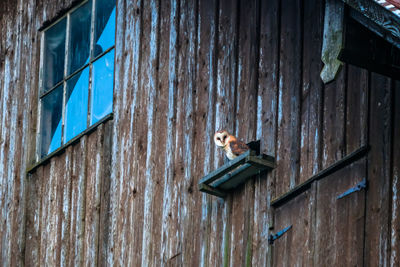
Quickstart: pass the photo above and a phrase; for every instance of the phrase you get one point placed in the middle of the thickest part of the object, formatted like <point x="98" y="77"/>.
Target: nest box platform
<point x="236" y="172"/>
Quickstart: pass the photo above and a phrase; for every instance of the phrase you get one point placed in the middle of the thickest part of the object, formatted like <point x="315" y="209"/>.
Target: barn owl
<point x="229" y="144"/>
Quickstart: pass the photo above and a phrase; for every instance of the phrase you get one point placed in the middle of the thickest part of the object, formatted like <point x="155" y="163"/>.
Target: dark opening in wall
<point x="363" y="47"/>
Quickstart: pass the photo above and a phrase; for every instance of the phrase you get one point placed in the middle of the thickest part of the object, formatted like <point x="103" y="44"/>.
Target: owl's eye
<point x="224" y="137"/>
<point x="218" y="138"/>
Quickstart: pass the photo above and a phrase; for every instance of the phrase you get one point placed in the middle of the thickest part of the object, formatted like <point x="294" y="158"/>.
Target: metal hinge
<point x="361" y="185"/>
<point x="274" y="237"/>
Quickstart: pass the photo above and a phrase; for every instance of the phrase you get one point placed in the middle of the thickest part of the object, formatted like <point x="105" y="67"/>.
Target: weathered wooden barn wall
<point x="126" y="194"/>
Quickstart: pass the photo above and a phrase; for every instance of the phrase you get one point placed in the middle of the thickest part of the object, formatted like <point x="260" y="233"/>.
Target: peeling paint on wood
<point x="124" y="194"/>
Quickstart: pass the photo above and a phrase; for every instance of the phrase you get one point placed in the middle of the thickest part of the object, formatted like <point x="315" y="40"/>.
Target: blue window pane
<point x="51" y="122"/>
<point x="103" y="83"/>
<point x="54" y="55"/>
<point x="76" y="105"/>
<point x="105" y="26"/>
<point x="79" y="37"/>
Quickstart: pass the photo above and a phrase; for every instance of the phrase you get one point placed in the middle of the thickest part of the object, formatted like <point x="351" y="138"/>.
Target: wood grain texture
<point x="126" y="205"/>
<point x="170" y="245"/>
<point x="340" y="221"/>
<point x="377" y="232"/>
<point x="287" y="250"/>
<point x="125" y="195"/>
<point x="266" y="128"/>
<point x="224" y="109"/>
<point x="206" y="87"/>
<point x="188" y="81"/>
<point x="356" y="108"/>
<point x="395" y="186"/>
<point x="246" y="120"/>
<point x="334" y="139"/>
<point x="288" y="146"/>
<point x="312" y="92"/>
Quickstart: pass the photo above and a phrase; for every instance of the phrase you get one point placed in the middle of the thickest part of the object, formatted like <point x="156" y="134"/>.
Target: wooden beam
<point x="383" y="18"/>
<point x="352" y="157"/>
<point x="211" y="190"/>
<point x="365" y="49"/>
<point x="333" y="40"/>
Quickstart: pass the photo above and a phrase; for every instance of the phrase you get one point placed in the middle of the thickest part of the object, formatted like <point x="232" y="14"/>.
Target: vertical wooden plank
<point x="32" y="70"/>
<point x="8" y="137"/>
<point x="33" y="222"/>
<point x="126" y="194"/>
<point x="356" y="108"/>
<point x="104" y="206"/>
<point x="245" y="126"/>
<point x="266" y="127"/>
<point x="395" y="216"/>
<point x="3" y="83"/>
<point x="19" y="128"/>
<point x="334" y="138"/>
<point x="224" y="108"/>
<point x="288" y="144"/>
<point x="205" y="109"/>
<point x="52" y="220"/>
<point x="339" y="231"/>
<point x="66" y="186"/>
<point x="77" y="205"/>
<point x="45" y="187"/>
<point x="151" y="230"/>
<point x="190" y="211"/>
<point x="93" y="190"/>
<point x="170" y="245"/>
<point x="311" y="96"/>
<point x="119" y="99"/>
<point x="155" y="160"/>
<point x="377" y="246"/>
<point x="311" y="110"/>
<point x="135" y="132"/>
<point x="183" y="127"/>
<point x="57" y="206"/>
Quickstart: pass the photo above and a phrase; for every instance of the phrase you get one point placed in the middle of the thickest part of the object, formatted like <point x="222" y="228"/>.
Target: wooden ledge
<point x="234" y="173"/>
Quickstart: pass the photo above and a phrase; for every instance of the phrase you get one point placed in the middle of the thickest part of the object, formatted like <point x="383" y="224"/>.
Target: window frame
<point x="66" y="77"/>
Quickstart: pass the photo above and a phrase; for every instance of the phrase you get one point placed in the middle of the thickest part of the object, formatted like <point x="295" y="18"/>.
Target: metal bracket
<point x="274" y="237"/>
<point x="361" y="185"/>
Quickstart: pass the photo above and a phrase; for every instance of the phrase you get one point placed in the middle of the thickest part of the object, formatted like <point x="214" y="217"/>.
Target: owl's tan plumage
<point x="229" y="144"/>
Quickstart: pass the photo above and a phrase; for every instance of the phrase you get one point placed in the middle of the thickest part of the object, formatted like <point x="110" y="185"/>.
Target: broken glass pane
<point x="76" y="105"/>
<point x="79" y="48"/>
<point x="104" y="33"/>
<point x="51" y="122"/>
<point x="103" y="82"/>
<point x="54" y="54"/>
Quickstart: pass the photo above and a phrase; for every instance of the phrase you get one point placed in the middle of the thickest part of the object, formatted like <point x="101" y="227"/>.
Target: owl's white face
<point x="220" y="138"/>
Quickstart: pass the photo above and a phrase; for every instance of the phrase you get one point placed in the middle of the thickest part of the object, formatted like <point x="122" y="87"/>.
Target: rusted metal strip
<point x="272" y="238"/>
<point x="361" y="185"/>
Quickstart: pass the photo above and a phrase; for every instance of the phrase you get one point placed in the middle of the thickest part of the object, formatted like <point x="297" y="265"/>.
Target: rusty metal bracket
<point x="361" y="185"/>
<point x="272" y="238"/>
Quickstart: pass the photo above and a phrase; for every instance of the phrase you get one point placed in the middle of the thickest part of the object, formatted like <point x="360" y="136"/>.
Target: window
<point x="77" y="73"/>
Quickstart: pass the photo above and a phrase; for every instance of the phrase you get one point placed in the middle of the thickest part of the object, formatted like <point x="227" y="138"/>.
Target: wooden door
<point x="340" y="217"/>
